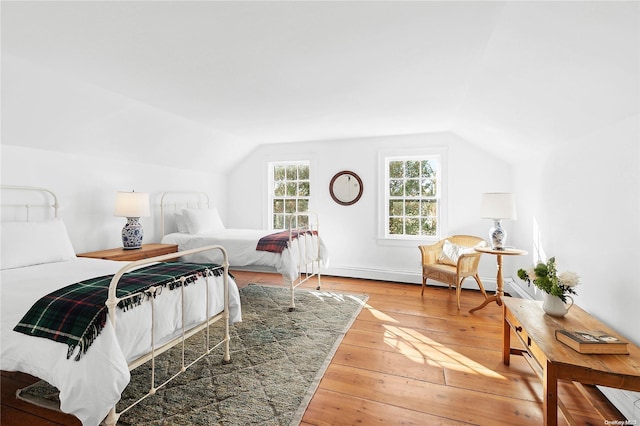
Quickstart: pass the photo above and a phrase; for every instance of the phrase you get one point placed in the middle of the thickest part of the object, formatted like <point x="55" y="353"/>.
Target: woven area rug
<point x="277" y="360"/>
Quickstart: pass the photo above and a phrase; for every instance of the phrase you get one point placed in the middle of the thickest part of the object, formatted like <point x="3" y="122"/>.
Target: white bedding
<point x="89" y="388"/>
<point x="240" y="245"/>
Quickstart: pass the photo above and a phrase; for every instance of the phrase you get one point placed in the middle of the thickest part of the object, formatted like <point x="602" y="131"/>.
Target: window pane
<point x="412" y="208"/>
<point x="292" y="189"/>
<point x="278" y="221"/>
<point x="278" y="189"/>
<point x="428" y="187"/>
<point x="292" y="172"/>
<point x="412" y="226"/>
<point x="428" y="208"/>
<point x="303" y="172"/>
<point x="303" y="221"/>
<point x="428" y="226"/>
<point x="428" y="168"/>
<point x="278" y="173"/>
<point x="413" y="169"/>
<point x="303" y="189"/>
<point x="412" y="188"/>
<point x="303" y="205"/>
<point x="278" y="206"/>
<point x="290" y="206"/>
<point x="287" y="221"/>
<point x="396" y="207"/>
<point x="396" y="187"/>
<point x="396" y="169"/>
<point x="395" y="226"/>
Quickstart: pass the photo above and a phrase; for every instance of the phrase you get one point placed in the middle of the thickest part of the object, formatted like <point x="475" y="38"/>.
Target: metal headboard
<point x="177" y="200"/>
<point x="50" y="201"/>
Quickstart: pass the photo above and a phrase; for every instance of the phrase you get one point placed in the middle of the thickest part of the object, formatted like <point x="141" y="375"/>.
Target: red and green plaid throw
<point x="276" y="243"/>
<point x="76" y="314"/>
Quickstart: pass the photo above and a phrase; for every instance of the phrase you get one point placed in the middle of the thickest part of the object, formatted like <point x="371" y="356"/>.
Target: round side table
<point x="497" y="297"/>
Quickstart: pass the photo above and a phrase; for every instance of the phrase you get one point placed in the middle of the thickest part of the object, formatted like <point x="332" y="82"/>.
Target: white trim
<point x="512" y="287"/>
<point x="627" y="402"/>
<point x="400" y="276"/>
<point x="405" y="242"/>
<point x="443" y="178"/>
<point x="269" y="190"/>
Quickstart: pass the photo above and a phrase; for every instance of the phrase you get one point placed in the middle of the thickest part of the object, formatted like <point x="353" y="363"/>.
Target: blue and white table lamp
<point x="498" y="206"/>
<point x="132" y="205"/>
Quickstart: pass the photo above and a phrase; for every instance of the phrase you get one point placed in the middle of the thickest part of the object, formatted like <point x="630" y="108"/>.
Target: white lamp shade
<point x="498" y="205"/>
<point x="132" y="204"/>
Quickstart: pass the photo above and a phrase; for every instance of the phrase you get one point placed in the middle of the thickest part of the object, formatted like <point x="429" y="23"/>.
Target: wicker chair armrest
<point x="430" y="253"/>
<point x="468" y="263"/>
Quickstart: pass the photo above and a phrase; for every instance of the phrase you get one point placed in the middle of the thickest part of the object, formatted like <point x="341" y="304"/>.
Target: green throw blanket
<point x="76" y="314"/>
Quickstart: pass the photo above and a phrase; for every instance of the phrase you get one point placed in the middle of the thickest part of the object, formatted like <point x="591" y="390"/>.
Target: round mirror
<point x="346" y="188"/>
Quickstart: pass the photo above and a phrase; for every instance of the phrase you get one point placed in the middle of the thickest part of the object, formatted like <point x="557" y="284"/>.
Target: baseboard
<point x="511" y="287"/>
<point x="627" y="402"/>
<point x="374" y="274"/>
<point x="401" y="276"/>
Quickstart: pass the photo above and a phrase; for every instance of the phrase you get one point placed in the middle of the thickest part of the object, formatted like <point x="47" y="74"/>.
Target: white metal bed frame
<point x="113" y="300"/>
<point x="306" y="269"/>
<point x="190" y="199"/>
<point x="27" y="206"/>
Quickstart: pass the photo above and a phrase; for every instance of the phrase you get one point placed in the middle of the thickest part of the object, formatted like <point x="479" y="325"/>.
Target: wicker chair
<point x="435" y="268"/>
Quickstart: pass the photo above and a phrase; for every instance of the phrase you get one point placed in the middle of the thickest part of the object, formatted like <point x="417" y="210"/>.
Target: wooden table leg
<point x="497" y="297"/>
<point x="506" y="338"/>
<point x="499" y="282"/>
<point x="550" y="401"/>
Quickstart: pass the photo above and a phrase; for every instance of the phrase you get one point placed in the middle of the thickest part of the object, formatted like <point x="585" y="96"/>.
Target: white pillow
<point x="452" y="252"/>
<point x="181" y="223"/>
<point x="33" y="243"/>
<point x="203" y="221"/>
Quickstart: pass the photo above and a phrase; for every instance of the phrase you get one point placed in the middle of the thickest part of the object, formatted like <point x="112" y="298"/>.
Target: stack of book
<point x="592" y="342"/>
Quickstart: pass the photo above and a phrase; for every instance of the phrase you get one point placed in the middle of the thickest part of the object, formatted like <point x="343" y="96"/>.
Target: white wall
<point x="585" y="197"/>
<point x="86" y="187"/>
<point x="350" y="232"/>
<point x="47" y="109"/>
<point x="91" y="143"/>
<point x="583" y="204"/>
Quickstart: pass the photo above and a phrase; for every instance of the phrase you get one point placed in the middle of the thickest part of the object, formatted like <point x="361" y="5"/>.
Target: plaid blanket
<point x="76" y="314"/>
<point x="276" y="243"/>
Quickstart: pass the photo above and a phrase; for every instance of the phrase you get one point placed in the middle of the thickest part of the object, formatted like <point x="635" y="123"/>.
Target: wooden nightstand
<point x="147" y="251"/>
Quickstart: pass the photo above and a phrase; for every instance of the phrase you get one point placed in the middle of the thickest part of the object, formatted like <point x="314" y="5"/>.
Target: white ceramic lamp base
<point x="132" y="234"/>
<point x="498" y="236"/>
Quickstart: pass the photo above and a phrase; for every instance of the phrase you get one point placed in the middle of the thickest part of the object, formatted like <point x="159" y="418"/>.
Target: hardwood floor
<point x="406" y="360"/>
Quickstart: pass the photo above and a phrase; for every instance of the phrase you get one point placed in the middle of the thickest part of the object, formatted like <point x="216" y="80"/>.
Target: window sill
<point x="406" y="242"/>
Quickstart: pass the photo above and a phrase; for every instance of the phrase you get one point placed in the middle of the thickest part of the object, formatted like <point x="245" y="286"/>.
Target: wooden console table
<point x="554" y="361"/>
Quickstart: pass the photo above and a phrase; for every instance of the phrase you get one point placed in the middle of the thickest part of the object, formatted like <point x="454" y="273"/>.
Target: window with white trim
<point x="289" y="192"/>
<point x="412" y="196"/>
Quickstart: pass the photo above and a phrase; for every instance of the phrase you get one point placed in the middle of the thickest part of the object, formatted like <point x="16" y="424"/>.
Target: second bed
<point x="297" y="253"/>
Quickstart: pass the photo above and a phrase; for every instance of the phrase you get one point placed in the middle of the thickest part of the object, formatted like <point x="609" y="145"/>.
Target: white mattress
<point x="240" y="245"/>
<point x="89" y="388"/>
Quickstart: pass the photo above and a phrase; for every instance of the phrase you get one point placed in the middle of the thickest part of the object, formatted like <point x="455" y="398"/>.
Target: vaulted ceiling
<point x="509" y="76"/>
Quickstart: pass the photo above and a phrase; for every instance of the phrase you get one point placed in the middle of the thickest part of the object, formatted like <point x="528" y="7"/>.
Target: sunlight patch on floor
<point x="414" y="344"/>
<point x="380" y="315"/>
